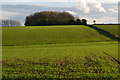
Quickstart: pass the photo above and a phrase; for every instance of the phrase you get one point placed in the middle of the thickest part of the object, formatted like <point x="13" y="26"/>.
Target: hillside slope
<point x="50" y="35"/>
<point x="113" y="29"/>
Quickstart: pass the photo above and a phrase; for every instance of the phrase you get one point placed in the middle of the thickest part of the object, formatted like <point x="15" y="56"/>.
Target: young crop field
<point x="88" y="60"/>
<point x="49" y="35"/>
<point x="113" y="29"/>
<point x="58" y="52"/>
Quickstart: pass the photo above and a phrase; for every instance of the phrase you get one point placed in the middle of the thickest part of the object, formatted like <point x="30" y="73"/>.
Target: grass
<point x="49" y="35"/>
<point x="113" y="29"/>
<point x="58" y="52"/>
<point x="85" y="60"/>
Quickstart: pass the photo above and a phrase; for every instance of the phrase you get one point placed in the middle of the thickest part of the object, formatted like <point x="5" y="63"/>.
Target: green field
<point x="49" y="35"/>
<point x="113" y="29"/>
<point x="58" y="52"/>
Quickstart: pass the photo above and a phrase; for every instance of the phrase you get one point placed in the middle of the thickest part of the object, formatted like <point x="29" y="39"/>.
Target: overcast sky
<point x="102" y="1"/>
<point x="102" y="11"/>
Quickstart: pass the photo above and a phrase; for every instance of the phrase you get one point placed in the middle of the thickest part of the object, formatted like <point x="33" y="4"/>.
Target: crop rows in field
<point x="80" y="56"/>
<point x="60" y="50"/>
<point x="84" y="60"/>
<point x="104" y="67"/>
<point x="50" y="34"/>
<point x="113" y="29"/>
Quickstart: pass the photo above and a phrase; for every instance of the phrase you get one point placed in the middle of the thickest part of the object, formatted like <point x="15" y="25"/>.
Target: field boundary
<point x="105" y="33"/>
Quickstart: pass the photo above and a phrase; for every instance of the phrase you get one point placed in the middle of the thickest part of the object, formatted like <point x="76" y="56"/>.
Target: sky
<point x="102" y="1"/>
<point x="102" y="11"/>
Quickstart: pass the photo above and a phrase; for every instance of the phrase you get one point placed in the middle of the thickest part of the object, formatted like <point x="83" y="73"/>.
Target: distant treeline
<point x="10" y="23"/>
<point x="53" y="18"/>
<point x="107" y="24"/>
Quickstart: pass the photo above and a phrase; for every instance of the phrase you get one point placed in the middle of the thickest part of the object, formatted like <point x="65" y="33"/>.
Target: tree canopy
<point x="51" y="18"/>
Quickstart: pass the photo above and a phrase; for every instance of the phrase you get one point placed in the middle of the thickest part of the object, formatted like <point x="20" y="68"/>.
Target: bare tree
<point x="10" y="23"/>
<point x="94" y="21"/>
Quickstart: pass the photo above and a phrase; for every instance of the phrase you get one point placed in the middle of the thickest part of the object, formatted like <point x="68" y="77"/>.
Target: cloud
<point x="83" y="6"/>
<point x="114" y="10"/>
<point x="97" y="6"/>
<point x="35" y="0"/>
<point x="103" y="1"/>
<point x="71" y="12"/>
<point x="8" y="15"/>
<point x="92" y="5"/>
<point x="109" y="1"/>
<point x="101" y="20"/>
<point x="108" y="20"/>
<point x="19" y="12"/>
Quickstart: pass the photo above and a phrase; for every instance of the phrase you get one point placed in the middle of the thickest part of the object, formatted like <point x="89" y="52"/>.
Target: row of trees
<point x="52" y="18"/>
<point x="46" y="18"/>
<point x="10" y="23"/>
